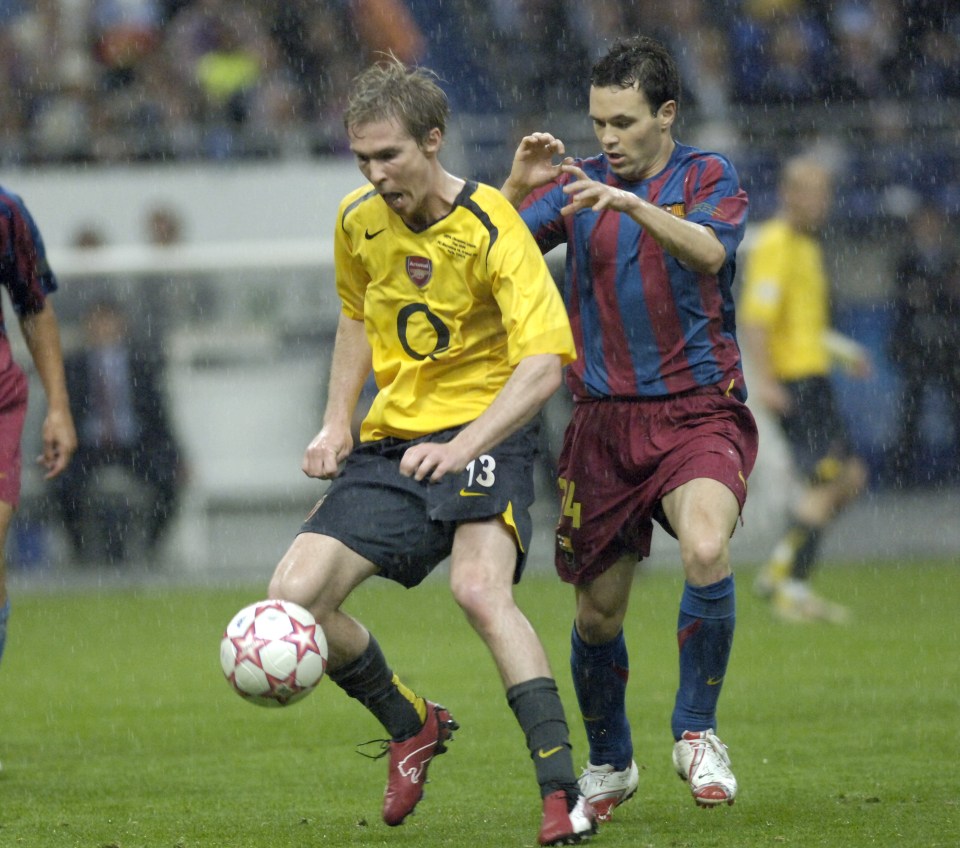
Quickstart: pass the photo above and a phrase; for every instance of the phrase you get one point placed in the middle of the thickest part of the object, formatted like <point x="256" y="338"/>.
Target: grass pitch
<point x="117" y="729"/>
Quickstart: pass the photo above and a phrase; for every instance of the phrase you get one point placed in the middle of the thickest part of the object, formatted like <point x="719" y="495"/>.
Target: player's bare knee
<point x="597" y="631"/>
<point x="293" y="585"/>
<point x="597" y="625"/>
<point x="706" y="559"/>
<point x="472" y="597"/>
<point x="478" y="599"/>
<point x="280" y="589"/>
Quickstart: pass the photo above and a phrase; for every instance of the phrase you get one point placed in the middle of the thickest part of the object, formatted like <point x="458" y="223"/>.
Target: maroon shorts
<point x="13" y="410"/>
<point x="619" y="459"/>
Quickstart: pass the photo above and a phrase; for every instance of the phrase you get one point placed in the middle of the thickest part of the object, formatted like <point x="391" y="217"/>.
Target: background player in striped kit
<point x="25" y="274"/>
<point x="660" y="429"/>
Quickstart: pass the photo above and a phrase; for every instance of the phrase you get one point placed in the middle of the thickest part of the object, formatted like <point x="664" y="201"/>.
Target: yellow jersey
<point x="449" y="312"/>
<point x="785" y="291"/>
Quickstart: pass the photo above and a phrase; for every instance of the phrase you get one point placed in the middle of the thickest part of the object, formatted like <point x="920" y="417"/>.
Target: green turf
<point x="117" y="728"/>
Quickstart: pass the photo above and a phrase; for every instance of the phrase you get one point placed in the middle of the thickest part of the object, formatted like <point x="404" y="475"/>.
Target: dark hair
<point x="390" y="90"/>
<point x="643" y="63"/>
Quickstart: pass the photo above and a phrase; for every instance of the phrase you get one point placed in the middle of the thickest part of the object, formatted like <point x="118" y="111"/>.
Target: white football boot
<point x="605" y="788"/>
<point x="795" y="601"/>
<point x="702" y="760"/>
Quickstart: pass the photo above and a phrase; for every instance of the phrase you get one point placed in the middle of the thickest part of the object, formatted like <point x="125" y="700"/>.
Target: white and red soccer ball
<point x="273" y="653"/>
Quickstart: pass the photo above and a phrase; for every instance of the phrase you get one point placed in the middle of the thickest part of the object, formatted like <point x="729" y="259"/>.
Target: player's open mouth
<point x="615" y="159"/>
<point x="391" y="198"/>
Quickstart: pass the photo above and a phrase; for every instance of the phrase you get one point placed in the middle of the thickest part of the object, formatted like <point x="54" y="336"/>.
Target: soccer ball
<point x="273" y="653"/>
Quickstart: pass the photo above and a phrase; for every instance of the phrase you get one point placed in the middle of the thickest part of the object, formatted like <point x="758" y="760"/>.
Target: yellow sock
<point x="419" y="704"/>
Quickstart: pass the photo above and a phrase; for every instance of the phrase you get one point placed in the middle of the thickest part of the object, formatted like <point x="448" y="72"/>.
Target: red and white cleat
<point x="407" y="772"/>
<point x="701" y="759"/>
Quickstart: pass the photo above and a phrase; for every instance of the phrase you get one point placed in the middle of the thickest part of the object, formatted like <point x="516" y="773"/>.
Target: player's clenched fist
<point x="328" y="449"/>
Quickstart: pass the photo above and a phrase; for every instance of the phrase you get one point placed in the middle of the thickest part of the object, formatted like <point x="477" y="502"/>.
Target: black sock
<point x="536" y="704"/>
<point x="807" y="553"/>
<point x="369" y="679"/>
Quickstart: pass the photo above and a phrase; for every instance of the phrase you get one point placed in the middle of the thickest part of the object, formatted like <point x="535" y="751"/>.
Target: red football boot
<point x="407" y="772"/>
<point x="561" y="826"/>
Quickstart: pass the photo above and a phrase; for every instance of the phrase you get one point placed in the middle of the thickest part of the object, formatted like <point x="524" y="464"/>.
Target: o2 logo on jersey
<point x="418" y="328"/>
<point x="419" y="270"/>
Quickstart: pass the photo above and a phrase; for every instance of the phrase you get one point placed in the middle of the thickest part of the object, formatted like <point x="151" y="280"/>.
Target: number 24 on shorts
<point x="571" y="508"/>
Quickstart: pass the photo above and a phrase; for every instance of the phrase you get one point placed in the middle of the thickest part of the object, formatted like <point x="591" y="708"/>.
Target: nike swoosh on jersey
<point x="368" y="235"/>
<point x="465" y="494"/>
<point x="714" y="681"/>
<point x="544" y="754"/>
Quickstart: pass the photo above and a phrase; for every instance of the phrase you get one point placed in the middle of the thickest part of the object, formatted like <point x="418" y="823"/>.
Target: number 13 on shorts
<point x="481" y="471"/>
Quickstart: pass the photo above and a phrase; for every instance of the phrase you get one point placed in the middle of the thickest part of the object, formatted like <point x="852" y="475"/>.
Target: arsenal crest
<point x="419" y="270"/>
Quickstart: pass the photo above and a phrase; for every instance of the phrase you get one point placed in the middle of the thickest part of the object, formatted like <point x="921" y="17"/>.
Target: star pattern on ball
<point x="247" y="646"/>
<point x="284" y="689"/>
<point x="304" y="638"/>
<point x="273" y="653"/>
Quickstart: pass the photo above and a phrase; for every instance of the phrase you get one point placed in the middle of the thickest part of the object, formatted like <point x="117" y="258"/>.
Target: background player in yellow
<point x="447" y="298"/>
<point x="784" y="316"/>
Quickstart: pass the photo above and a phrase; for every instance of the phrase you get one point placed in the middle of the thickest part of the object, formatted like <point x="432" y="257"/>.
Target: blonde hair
<point x="389" y="90"/>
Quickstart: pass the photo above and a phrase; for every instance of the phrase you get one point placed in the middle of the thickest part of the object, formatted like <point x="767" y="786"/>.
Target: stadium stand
<point x="97" y="88"/>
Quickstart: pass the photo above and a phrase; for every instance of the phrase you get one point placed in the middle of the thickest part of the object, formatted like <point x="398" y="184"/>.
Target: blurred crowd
<point x="874" y="85"/>
<point x="139" y="80"/>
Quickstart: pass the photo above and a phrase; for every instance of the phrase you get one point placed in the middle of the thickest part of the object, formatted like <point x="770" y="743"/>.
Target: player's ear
<point x="432" y="141"/>
<point x="667" y="114"/>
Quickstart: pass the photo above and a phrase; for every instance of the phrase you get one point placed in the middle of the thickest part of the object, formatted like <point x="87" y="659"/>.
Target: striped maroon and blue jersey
<point x="23" y="265"/>
<point x="645" y="325"/>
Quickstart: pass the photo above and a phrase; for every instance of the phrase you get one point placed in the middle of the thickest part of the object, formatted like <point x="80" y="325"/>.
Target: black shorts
<point x="814" y="428"/>
<point x="406" y="527"/>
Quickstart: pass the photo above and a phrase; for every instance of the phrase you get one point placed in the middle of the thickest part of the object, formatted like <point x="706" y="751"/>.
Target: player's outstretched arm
<point x="41" y="332"/>
<point x="764" y="385"/>
<point x="852" y="356"/>
<point x="351" y="364"/>
<point x="695" y="245"/>
<point x="533" y="166"/>
<point x="532" y="383"/>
